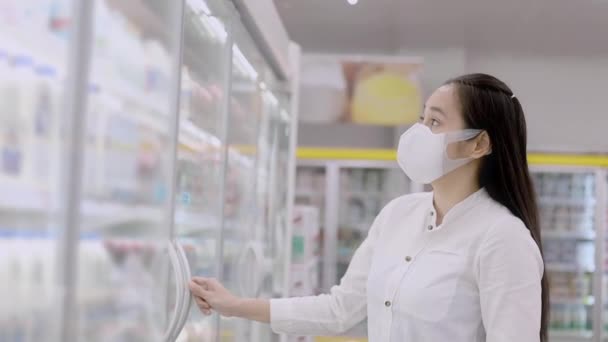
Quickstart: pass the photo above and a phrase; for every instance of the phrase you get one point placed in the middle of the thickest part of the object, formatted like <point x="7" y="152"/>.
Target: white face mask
<point x="423" y="155"/>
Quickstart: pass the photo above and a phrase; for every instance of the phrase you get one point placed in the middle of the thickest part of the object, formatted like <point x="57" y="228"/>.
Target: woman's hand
<point x="210" y="295"/>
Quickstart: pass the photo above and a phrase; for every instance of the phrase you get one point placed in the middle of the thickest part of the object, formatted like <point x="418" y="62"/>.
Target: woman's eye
<point x="434" y="122"/>
<point x="421" y="118"/>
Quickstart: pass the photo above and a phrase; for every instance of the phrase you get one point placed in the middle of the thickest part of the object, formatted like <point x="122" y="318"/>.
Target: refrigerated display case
<point x="142" y="153"/>
<point x="349" y="195"/>
<point x="569" y="205"/>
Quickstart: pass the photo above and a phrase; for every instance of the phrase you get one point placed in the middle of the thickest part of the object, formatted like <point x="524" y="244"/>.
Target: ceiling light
<point x="353" y="2"/>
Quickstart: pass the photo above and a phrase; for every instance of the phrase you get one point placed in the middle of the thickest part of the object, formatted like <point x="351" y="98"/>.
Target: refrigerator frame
<point x="79" y="57"/>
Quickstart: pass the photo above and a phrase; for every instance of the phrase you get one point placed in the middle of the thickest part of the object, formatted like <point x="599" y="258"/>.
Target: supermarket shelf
<point x="588" y="300"/>
<point x="570" y="335"/>
<point x="20" y="196"/>
<point x="192" y="223"/>
<point x="155" y="108"/>
<point x="357" y="226"/>
<point x="145" y="18"/>
<point x="104" y="214"/>
<point x="569" y="234"/>
<point x="566" y="267"/>
<point x="309" y="193"/>
<point x="564" y="201"/>
<point x="364" y="194"/>
<point x="189" y="222"/>
<point x="339" y="339"/>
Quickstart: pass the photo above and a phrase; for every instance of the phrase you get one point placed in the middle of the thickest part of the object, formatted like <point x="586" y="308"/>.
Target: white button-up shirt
<point x="475" y="277"/>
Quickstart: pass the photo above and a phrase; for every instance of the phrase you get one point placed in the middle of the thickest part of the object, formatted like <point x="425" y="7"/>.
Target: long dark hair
<point x="489" y="104"/>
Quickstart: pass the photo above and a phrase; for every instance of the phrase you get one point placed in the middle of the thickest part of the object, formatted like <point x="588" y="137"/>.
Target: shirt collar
<point x="480" y="196"/>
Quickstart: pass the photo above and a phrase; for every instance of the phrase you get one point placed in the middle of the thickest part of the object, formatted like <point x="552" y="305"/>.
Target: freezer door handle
<point x="179" y="291"/>
<point x="186" y="301"/>
<point x="251" y="277"/>
<point x="250" y="253"/>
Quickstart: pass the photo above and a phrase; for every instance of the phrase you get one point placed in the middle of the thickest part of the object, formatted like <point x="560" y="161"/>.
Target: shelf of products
<point x="571" y="335"/>
<point x="567" y="201"/>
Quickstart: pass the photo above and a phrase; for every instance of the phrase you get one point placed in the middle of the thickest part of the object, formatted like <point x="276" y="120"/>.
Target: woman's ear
<point x="483" y="145"/>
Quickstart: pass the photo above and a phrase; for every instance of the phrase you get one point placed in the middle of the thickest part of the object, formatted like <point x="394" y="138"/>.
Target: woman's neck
<point x="452" y="189"/>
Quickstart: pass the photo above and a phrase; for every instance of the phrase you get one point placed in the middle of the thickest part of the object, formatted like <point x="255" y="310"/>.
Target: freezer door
<point x="278" y="197"/>
<point x="567" y="199"/>
<point x="34" y="64"/>
<point x="268" y="233"/>
<point x="201" y="170"/>
<point x="273" y="201"/>
<point x="126" y="188"/>
<point x="242" y="252"/>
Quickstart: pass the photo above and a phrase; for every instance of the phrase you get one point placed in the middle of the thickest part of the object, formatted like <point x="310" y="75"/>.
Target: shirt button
<point x="430" y="227"/>
<point x="387" y="303"/>
<point x="408" y="258"/>
<point x="432" y="213"/>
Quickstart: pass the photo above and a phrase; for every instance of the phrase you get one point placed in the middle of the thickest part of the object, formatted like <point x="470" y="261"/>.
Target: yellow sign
<point x="391" y="155"/>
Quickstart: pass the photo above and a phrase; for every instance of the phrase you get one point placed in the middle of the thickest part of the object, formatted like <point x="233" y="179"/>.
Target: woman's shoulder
<point x="409" y="201"/>
<point x="405" y="204"/>
<point x="508" y="234"/>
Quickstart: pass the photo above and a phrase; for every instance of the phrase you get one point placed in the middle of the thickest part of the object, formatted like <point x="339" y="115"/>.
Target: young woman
<point x="460" y="264"/>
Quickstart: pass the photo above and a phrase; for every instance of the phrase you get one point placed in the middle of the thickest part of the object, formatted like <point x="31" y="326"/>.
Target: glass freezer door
<point x="279" y="196"/>
<point x="567" y="201"/>
<point x="200" y="156"/>
<point x="34" y="44"/>
<point x="127" y="183"/>
<point x="269" y="234"/>
<point x="242" y="254"/>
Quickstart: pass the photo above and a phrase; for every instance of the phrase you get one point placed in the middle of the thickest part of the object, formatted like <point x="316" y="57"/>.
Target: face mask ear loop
<point x="458" y="136"/>
<point x="463" y="135"/>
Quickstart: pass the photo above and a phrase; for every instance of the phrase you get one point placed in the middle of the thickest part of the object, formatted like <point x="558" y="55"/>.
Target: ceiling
<point x="555" y="27"/>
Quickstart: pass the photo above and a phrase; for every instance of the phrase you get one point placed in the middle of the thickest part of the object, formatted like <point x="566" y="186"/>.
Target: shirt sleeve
<point x="333" y="313"/>
<point x="509" y="278"/>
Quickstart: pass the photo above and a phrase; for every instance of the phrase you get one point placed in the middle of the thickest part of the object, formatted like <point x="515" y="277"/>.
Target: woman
<point x="460" y="264"/>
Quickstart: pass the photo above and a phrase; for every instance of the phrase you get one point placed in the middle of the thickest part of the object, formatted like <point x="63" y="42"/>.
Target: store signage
<point x="369" y="90"/>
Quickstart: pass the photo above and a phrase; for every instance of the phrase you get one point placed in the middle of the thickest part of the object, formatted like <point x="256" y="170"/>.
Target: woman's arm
<point x="328" y="314"/>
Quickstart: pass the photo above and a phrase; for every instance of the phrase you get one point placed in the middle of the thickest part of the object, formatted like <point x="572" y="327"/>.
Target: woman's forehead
<point x="443" y="101"/>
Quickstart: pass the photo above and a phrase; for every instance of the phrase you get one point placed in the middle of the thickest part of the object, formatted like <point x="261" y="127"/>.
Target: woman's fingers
<point x="199" y="290"/>
<point x="202" y="303"/>
<point x="206" y="283"/>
